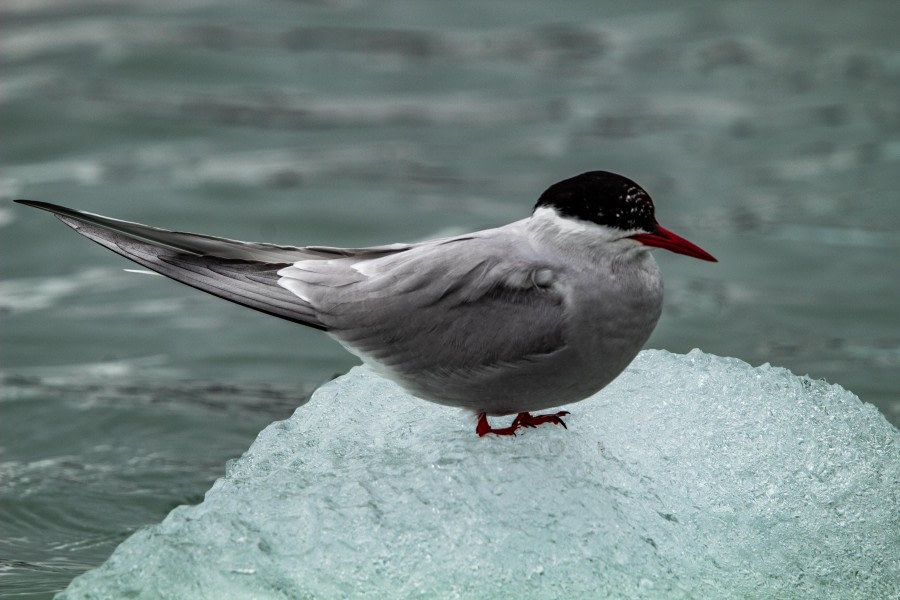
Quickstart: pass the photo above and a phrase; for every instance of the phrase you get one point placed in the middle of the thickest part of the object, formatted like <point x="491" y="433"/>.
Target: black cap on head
<point x="603" y="198"/>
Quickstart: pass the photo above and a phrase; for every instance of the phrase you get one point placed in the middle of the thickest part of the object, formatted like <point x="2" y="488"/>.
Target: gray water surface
<point x="767" y="133"/>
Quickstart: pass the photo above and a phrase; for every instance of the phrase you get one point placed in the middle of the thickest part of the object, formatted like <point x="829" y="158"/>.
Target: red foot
<point x="522" y="419"/>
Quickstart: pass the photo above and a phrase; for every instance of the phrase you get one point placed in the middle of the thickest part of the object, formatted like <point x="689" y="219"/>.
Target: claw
<point x="522" y="419"/>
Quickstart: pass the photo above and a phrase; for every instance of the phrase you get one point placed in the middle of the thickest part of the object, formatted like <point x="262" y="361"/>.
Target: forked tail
<point x="241" y="272"/>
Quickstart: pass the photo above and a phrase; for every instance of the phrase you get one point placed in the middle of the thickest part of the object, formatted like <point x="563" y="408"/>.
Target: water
<point x="767" y="134"/>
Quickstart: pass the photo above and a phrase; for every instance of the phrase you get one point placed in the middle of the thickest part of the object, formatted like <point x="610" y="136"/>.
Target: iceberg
<point x="690" y="476"/>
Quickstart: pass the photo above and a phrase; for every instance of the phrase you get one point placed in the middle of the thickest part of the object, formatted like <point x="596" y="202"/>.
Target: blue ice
<point x="690" y="476"/>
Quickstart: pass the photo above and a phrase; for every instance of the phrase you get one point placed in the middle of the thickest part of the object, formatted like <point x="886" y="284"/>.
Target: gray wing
<point x="241" y="272"/>
<point x="459" y="306"/>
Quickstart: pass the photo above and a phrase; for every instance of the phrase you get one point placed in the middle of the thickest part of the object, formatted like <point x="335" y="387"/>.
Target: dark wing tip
<point x="61" y="212"/>
<point x="39" y="204"/>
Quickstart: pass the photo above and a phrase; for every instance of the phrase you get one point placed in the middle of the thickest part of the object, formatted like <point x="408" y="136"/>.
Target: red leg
<point x="523" y="419"/>
<point x="483" y="428"/>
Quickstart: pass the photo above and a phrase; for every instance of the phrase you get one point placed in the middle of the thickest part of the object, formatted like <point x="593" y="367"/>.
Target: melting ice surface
<point x="689" y="477"/>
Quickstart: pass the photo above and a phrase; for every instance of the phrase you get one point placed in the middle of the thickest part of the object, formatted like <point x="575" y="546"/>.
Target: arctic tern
<point x="539" y="313"/>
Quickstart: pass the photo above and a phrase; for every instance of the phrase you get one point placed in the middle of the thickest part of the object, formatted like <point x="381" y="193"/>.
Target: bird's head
<point x="620" y="206"/>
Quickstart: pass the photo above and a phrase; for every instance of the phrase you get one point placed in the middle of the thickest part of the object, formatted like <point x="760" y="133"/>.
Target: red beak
<point x="663" y="238"/>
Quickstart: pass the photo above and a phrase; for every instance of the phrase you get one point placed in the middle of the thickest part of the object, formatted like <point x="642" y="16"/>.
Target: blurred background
<point x="767" y="133"/>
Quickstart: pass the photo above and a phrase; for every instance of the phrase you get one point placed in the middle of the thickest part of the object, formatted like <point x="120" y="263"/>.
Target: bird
<point x="536" y="314"/>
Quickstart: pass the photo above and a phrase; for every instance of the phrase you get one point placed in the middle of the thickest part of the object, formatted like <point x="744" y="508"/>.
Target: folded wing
<point x="460" y="307"/>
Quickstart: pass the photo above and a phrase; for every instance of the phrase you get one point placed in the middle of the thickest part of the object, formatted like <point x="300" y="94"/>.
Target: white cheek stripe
<point x="546" y="217"/>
